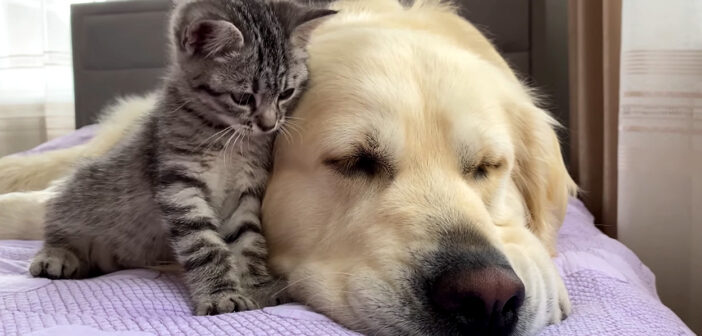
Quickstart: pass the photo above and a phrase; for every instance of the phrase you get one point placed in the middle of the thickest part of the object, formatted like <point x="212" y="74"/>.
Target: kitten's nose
<point x="266" y="121"/>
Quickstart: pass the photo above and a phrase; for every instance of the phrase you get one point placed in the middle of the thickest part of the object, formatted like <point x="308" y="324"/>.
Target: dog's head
<point x="421" y="188"/>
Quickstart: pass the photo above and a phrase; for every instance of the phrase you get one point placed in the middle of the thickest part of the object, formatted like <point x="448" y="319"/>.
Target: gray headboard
<point x="119" y="47"/>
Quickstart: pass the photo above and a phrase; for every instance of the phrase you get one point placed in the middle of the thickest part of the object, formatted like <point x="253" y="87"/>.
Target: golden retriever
<point x="421" y="190"/>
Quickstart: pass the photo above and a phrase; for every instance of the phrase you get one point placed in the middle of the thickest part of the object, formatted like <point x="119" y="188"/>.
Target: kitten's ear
<point x="299" y="21"/>
<point x="308" y="22"/>
<point x="209" y="38"/>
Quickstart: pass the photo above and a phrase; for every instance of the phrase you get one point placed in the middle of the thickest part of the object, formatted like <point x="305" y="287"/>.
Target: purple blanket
<point x="612" y="292"/>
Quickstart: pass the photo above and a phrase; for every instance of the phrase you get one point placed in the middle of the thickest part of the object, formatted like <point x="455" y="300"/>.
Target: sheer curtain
<point x="36" y="82"/>
<point x="660" y="147"/>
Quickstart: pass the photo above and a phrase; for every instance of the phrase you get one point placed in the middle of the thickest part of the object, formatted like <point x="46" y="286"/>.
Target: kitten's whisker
<point x="289" y="135"/>
<point x="285" y="134"/>
<point x="239" y="137"/>
<point x="248" y="143"/>
<point x="221" y="132"/>
<point x="181" y="106"/>
<point x="226" y="147"/>
<point x="213" y="142"/>
<point x="241" y="133"/>
<point x="295" y="127"/>
<point x="296" y="130"/>
<point x="303" y="279"/>
<point x="295" y="124"/>
<point x="293" y="133"/>
<point x="294" y="121"/>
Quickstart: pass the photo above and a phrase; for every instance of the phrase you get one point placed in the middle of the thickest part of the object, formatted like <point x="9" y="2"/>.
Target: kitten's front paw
<point x="223" y="302"/>
<point x="56" y="263"/>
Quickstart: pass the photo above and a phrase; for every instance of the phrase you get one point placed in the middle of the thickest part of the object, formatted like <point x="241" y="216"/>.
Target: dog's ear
<point x="540" y="173"/>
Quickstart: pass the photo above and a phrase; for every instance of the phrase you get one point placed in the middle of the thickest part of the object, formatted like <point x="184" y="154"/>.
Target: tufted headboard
<point x="119" y="47"/>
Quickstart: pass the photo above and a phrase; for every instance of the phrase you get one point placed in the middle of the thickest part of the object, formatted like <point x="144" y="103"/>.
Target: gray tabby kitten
<point x="186" y="186"/>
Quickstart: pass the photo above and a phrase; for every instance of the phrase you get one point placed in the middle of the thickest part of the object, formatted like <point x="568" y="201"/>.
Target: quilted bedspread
<point x="612" y="292"/>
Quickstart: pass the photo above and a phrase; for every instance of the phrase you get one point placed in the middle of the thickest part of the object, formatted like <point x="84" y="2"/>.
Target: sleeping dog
<point x="421" y="194"/>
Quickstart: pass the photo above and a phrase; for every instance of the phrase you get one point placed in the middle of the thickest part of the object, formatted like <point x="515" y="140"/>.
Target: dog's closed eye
<point x="481" y="170"/>
<point x="361" y="163"/>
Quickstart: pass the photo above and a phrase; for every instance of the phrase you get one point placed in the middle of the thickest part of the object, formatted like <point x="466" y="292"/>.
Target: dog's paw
<point x="56" y="263"/>
<point x="564" y="305"/>
<point x="556" y="295"/>
<point x="223" y="302"/>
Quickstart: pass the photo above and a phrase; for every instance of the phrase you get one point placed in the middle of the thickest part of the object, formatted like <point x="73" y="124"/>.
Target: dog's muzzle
<point x="483" y="299"/>
<point x="470" y="289"/>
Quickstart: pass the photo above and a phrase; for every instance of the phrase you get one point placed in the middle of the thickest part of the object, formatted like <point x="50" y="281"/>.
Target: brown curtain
<point x="594" y="46"/>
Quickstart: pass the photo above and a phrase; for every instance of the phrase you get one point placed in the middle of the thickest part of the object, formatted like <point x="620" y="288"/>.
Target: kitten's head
<point x="242" y="61"/>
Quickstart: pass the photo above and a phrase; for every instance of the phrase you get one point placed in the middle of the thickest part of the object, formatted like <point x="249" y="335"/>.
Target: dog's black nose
<point x="480" y="301"/>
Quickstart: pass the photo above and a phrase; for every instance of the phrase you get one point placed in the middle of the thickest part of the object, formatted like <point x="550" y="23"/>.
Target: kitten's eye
<point x="244" y="99"/>
<point x="286" y="94"/>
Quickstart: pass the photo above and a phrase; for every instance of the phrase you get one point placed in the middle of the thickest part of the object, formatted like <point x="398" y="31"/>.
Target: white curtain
<point x="660" y="147"/>
<point x="36" y="82"/>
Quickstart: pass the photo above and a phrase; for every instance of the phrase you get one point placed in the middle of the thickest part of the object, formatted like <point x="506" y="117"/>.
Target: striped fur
<point x="185" y="185"/>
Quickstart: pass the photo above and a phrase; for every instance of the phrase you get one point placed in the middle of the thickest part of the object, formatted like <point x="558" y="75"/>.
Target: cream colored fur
<point x="36" y="172"/>
<point x="22" y="214"/>
<point x="436" y="96"/>
<point x="27" y="182"/>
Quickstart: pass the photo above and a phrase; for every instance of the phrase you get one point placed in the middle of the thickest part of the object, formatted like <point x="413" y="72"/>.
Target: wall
<point x="660" y="147"/>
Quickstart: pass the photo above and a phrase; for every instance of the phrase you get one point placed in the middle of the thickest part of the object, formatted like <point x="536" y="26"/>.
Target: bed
<point x="612" y="292"/>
